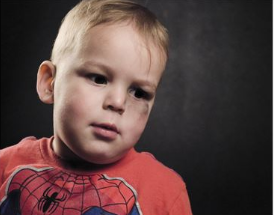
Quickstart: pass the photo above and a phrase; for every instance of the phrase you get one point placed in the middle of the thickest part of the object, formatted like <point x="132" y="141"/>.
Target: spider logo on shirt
<point x="53" y="191"/>
<point x="49" y="203"/>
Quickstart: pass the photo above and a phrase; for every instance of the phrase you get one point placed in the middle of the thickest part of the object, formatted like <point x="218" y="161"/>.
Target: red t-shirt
<point x="35" y="181"/>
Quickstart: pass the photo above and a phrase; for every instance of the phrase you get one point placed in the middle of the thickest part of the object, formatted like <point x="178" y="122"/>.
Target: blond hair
<point x="90" y="13"/>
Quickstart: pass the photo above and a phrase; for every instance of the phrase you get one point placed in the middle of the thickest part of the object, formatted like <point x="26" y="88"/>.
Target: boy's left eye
<point x="140" y="94"/>
<point x="98" y="79"/>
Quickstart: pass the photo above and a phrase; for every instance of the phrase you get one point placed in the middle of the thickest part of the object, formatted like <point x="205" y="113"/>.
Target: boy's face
<point x="103" y="94"/>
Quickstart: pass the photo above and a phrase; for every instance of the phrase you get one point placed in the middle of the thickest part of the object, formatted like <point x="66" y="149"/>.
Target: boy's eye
<point x="98" y="79"/>
<point x="140" y="94"/>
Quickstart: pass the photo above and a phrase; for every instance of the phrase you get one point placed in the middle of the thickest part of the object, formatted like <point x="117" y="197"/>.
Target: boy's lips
<point x="105" y="130"/>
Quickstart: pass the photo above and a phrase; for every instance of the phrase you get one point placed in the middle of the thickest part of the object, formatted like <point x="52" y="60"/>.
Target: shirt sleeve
<point x="181" y="205"/>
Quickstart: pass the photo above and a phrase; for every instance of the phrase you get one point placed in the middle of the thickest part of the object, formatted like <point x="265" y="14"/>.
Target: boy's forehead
<point x="102" y="32"/>
<point x="114" y="31"/>
<point x="119" y="40"/>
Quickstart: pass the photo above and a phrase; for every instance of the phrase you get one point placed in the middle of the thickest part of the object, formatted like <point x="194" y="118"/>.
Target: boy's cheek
<point x="136" y="120"/>
<point x="141" y="111"/>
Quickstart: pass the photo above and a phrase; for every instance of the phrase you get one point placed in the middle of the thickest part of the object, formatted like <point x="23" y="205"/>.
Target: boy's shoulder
<point x="153" y="177"/>
<point x="27" y="150"/>
<point x="151" y="169"/>
<point x="22" y="153"/>
<point x="24" y="144"/>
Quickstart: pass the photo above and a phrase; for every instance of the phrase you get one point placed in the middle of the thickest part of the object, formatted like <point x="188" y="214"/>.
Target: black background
<point x="212" y="121"/>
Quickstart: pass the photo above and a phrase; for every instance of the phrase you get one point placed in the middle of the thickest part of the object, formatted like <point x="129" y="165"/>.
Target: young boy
<point x="106" y="64"/>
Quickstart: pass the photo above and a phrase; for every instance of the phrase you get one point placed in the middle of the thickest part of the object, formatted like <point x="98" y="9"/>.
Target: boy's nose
<point x="115" y="101"/>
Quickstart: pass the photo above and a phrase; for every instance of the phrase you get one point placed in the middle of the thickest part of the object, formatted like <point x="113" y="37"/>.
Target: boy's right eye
<point x="97" y="79"/>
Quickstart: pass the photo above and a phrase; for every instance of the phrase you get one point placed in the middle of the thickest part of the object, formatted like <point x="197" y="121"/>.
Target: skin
<point x="111" y="77"/>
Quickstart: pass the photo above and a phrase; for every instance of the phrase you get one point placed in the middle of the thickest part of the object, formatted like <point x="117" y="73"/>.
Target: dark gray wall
<point x="212" y="121"/>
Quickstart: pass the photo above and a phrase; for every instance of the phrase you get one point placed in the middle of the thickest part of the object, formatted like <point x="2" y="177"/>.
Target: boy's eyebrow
<point x="146" y="83"/>
<point x="108" y="69"/>
<point x="96" y="64"/>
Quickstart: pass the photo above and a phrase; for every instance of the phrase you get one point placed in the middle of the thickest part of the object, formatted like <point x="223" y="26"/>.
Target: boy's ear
<point x="45" y="82"/>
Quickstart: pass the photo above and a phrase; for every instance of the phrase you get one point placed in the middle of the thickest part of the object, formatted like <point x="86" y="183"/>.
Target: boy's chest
<point x="31" y="190"/>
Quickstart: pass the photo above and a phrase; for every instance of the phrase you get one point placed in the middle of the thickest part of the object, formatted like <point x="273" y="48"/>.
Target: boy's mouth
<point x="105" y="130"/>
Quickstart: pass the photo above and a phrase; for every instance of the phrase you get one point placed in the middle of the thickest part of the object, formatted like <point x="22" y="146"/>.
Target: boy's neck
<point x="80" y="165"/>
